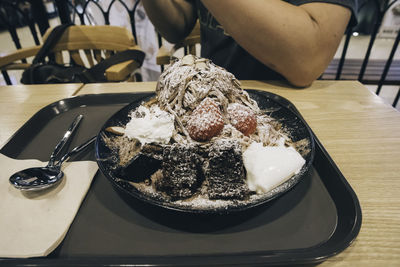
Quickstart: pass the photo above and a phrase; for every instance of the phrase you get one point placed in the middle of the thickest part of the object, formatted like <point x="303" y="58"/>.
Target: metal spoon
<point x="30" y="178"/>
<point x="65" y="139"/>
<point x="39" y="178"/>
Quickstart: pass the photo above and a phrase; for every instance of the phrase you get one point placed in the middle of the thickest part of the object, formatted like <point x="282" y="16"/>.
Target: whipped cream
<point x="153" y="126"/>
<point x="269" y="166"/>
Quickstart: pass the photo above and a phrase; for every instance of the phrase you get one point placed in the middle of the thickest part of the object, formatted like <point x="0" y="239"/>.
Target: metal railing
<point x="70" y="11"/>
<point x="384" y="72"/>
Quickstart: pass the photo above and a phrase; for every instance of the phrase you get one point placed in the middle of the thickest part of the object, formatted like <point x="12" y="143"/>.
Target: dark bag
<point x="50" y="72"/>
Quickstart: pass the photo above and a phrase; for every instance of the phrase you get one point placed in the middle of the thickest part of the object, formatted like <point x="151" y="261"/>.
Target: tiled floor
<point x="357" y="47"/>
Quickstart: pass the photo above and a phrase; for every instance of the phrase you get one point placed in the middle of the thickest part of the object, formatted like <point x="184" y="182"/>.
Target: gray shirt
<point x="225" y="52"/>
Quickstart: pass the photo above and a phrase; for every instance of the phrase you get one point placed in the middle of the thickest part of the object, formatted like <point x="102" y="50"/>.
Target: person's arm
<point x="173" y="19"/>
<point x="296" y="41"/>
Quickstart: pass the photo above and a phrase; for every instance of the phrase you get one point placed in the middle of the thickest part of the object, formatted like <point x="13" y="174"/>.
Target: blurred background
<point x="368" y="52"/>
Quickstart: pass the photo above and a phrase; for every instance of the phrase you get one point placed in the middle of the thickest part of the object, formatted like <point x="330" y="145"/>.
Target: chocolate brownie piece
<point x="181" y="171"/>
<point x="142" y="165"/>
<point x="224" y="173"/>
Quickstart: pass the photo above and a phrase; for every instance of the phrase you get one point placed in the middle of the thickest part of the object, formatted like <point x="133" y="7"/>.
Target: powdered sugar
<point x="206" y="121"/>
<point x="204" y="103"/>
<point x="242" y="118"/>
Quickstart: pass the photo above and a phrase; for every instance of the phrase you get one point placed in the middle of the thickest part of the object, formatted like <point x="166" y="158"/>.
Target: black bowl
<point x="275" y="106"/>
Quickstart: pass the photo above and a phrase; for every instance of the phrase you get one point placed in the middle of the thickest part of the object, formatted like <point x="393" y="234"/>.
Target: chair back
<point x="94" y="12"/>
<point x="87" y="45"/>
<point x="16" y="14"/>
<point x="368" y="70"/>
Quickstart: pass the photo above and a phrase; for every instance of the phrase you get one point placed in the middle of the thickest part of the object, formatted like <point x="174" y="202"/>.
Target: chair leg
<point x="388" y="63"/>
<point x="138" y="77"/>
<point x="396" y="99"/>
<point x="6" y="77"/>
<point x="342" y="58"/>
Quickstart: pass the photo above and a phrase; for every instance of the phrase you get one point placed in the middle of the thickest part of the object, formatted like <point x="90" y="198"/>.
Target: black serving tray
<point x="315" y="220"/>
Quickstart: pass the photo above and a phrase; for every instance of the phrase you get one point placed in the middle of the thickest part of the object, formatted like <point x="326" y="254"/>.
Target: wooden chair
<point x="164" y="54"/>
<point x="85" y="45"/>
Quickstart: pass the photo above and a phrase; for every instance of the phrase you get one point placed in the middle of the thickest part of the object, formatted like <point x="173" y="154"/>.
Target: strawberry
<point x="206" y="121"/>
<point x="205" y="106"/>
<point x="242" y="118"/>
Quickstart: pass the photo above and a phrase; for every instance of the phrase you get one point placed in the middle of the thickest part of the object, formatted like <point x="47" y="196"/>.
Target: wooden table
<point x="360" y="132"/>
<point x="19" y="102"/>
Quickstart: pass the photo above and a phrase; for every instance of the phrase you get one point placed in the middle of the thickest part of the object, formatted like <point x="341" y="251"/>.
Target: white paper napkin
<point x="33" y="224"/>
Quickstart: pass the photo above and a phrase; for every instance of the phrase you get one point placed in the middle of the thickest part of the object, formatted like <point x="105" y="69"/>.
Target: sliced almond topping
<point x="201" y="65"/>
<point x="188" y="60"/>
<point x="116" y="130"/>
